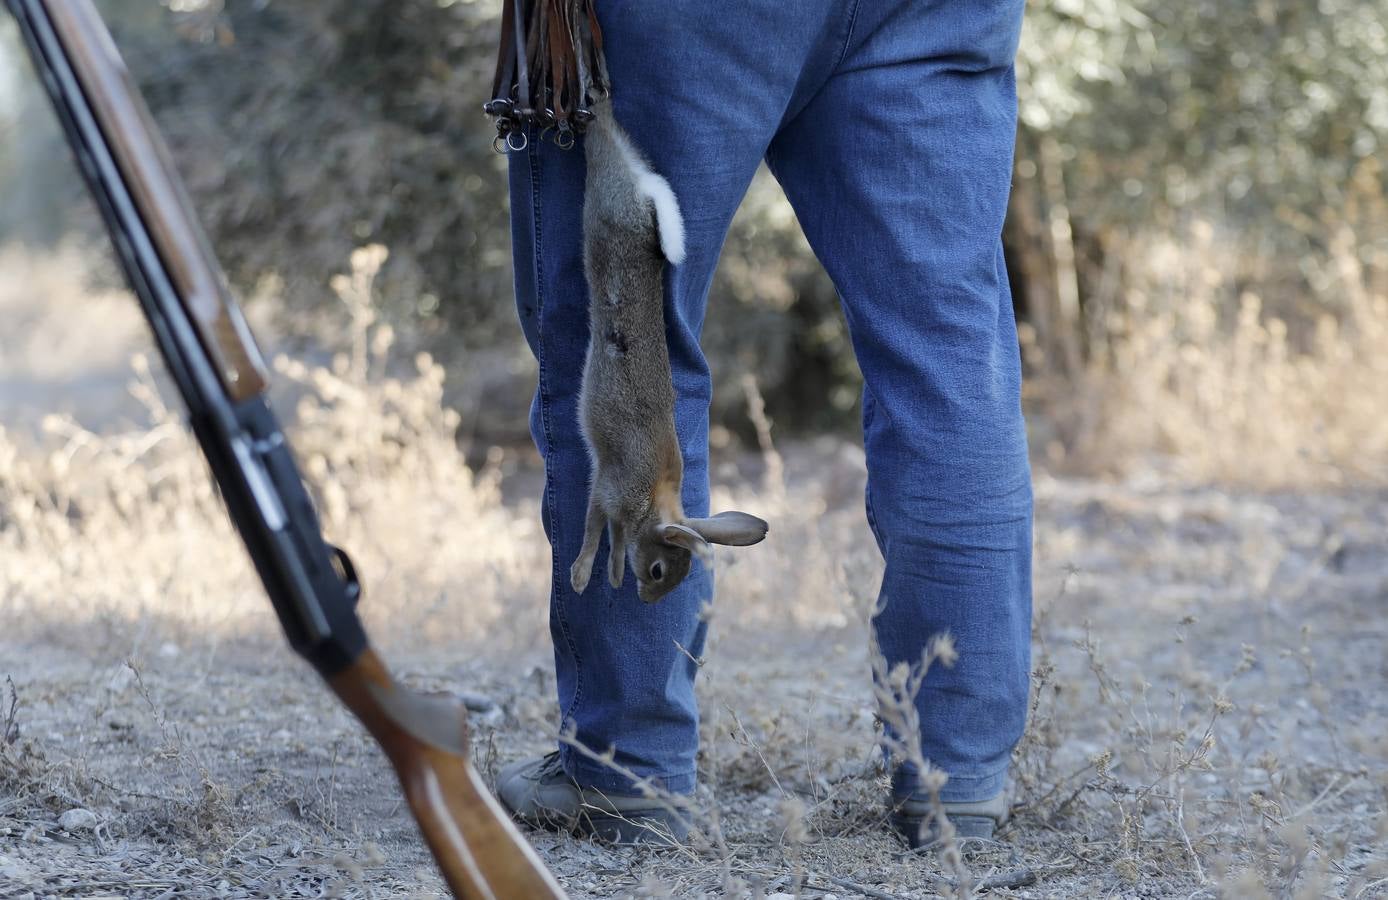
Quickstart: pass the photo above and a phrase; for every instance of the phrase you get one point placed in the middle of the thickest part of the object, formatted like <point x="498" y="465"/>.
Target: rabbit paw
<point x="579" y="574"/>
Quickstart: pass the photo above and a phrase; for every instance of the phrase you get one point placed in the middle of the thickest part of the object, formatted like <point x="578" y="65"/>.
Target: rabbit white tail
<point x="668" y="220"/>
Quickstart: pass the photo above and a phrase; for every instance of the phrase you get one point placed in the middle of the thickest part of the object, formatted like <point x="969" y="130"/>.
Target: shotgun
<point x="220" y="374"/>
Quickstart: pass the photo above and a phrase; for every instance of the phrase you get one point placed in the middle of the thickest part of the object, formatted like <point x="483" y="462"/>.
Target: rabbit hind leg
<point x="617" y="553"/>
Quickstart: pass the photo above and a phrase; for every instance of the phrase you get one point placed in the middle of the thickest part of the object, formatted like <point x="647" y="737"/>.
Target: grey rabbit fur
<point x="631" y="228"/>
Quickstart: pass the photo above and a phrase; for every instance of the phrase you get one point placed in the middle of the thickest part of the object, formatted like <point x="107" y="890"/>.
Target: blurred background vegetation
<point x="1198" y="238"/>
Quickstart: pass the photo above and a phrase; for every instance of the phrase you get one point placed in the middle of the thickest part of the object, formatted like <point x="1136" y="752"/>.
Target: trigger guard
<point x="348" y="573"/>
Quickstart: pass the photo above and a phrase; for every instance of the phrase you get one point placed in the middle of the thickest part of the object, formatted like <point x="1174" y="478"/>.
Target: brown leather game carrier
<point x="549" y="67"/>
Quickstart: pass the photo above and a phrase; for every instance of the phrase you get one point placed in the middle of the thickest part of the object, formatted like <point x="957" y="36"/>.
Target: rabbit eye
<point x="657" y="571"/>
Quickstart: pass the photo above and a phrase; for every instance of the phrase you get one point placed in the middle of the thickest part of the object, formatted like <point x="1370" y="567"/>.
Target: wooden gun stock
<point x="477" y="847"/>
<point x="217" y="369"/>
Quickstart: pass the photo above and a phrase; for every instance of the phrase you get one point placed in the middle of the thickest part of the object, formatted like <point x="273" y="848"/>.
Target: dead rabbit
<point x="631" y="229"/>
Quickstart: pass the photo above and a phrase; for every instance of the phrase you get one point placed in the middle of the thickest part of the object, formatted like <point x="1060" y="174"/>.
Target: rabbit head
<point x="662" y="552"/>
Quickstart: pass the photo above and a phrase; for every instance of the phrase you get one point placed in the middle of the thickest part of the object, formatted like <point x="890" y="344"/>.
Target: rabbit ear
<point x="688" y="538"/>
<point x="736" y="529"/>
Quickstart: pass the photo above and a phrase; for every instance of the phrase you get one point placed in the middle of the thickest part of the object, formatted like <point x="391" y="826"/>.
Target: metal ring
<point x="514" y="147"/>
<point x="499" y="144"/>
<point x="559" y="139"/>
<point x="498" y="106"/>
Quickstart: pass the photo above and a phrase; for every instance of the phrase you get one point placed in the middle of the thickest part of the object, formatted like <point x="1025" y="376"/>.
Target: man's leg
<point x="899" y="172"/>
<point x="701" y="94"/>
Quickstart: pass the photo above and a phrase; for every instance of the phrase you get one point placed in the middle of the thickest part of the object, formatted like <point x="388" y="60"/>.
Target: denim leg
<point x="899" y="171"/>
<point x="701" y="96"/>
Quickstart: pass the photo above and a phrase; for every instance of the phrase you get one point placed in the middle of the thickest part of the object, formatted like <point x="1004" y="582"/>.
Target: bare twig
<point x="9" y="729"/>
<point x="1178" y="816"/>
<point x="756" y="411"/>
<point x="860" y="888"/>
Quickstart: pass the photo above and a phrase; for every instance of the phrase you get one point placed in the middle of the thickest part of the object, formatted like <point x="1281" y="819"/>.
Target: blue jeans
<point x="890" y="125"/>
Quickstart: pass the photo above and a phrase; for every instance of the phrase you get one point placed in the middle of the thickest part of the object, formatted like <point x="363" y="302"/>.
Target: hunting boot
<point x="539" y="792"/>
<point x="912" y="819"/>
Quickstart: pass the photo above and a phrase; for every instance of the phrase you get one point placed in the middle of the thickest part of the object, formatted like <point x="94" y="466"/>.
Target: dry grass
<point x="1208" y="716"/>
<point x="134" y="511"/>
<point x="1191" y="373"/>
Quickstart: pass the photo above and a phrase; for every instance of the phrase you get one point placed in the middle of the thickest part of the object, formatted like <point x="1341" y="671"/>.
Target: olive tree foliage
<point x="1249" y="107"/>
<point x="1266" y="120"/>
<point x="1068" y="45"/>
<point x="308" y="129"/>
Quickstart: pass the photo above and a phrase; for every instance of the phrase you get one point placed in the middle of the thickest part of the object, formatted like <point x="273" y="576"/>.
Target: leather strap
<point x="549" y="68"/>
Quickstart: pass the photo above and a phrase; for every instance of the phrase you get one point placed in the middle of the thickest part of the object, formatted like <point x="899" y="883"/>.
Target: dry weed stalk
<point x="774" y="480"/>
<point x="705" y="834"/>
<point x="207" y="810"/>
<point x="392" y="480"/>
<point x="9" y="727"/>
<point x="895" y="689"/>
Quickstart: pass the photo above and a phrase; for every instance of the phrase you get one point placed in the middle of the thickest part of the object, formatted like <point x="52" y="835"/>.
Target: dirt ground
<point x="1210" y="720"/>
<point x="1209" y="713"/>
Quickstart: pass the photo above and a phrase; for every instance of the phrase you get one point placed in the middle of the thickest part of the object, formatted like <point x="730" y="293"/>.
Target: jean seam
<point x="871" y="515"/>
<point x="869" y="416"/>
<point x="557" y="606"/>
<point x="847" y="38"/>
